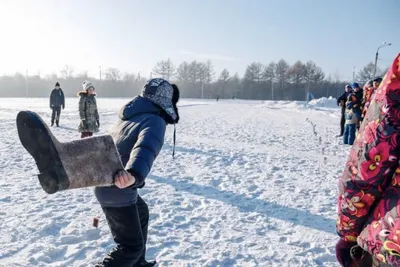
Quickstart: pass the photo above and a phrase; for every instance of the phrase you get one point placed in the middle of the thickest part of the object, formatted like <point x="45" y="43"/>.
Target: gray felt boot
<point x="80" y="163"/>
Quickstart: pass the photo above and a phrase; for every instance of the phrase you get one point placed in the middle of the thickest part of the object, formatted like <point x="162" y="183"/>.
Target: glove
<point x="349" y="254"/>
<point x="98" y="123"/>
<point x="63" y="106"/>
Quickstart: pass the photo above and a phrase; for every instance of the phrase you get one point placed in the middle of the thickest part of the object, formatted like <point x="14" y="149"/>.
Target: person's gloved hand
<point x="348" y="254"/>
<point x="98" y="123"/>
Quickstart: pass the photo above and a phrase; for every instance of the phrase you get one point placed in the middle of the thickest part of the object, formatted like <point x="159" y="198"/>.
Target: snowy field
<point x="252" y="184"/>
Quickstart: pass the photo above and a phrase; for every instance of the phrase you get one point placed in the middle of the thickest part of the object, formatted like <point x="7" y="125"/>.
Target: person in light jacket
<point x="88" y="113"/>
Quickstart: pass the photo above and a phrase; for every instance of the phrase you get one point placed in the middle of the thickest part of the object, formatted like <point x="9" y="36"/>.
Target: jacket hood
<point x="138" y="105"/>
<point x="81" y="93"/>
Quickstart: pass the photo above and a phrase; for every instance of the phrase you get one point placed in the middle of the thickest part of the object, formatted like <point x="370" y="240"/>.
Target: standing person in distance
<point x="139" y="137"/>
<point x="90" y="121"/>
<point x="57" y="100"/>
<point x="341" y="101"/>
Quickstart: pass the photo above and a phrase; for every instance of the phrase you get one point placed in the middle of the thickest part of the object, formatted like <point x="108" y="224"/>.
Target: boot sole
<point x="36" y="139"/>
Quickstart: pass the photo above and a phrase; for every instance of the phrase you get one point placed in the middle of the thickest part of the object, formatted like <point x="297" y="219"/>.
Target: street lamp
<point x="376" y="55"/>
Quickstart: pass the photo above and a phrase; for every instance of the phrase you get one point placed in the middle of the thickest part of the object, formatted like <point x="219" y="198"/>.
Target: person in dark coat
<point x="341" y="101"/>
<point x="356" y="98"/>
<point x="57" y="101"/>
<point x="139" y="137"/>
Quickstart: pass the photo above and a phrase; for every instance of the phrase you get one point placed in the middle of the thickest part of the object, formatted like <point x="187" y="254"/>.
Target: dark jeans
<point x="342" y="121"/>
<point x="86" y="134"/>
<point x="55" y="114"/>
<point x="128" y="227"/>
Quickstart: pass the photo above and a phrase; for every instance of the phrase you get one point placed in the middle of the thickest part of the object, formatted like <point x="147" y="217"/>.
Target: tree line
<point x="196" y="79"/>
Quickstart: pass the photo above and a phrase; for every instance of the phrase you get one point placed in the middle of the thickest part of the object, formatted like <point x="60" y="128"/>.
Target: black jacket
<point x="57" y="98"/>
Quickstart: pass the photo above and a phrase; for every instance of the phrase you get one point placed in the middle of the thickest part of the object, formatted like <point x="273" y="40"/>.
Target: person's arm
<point x="97" y="113"/>
<point x="146" y="149"/>
<point x="340" y="98"/>
<point x="82" y="108"/>
<point x="51" y="98"/>
<point x="63" y="99"/>
<point x="366" y="176"/>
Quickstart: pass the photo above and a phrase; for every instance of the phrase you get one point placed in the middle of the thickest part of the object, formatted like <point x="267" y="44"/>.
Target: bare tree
<point x="270" y="71"/>
<point x="254" y="72"/>
<point x="281" y="72"/>
<point x="367" y="72"/>
<point x="67" y="72"/>
<point x="83" y="75"/>
<point x="252" y="78"/>
<point x="336" y="76"/>
<point x="296" y="73"/>
<point x="183" y="72"/>
<point x="313" y="74"/>
<point x="223" y="80"/>
<point x="129" y="77"/>
<point x="210" y="72"/>
<point x="112" y="74"/>
<point x="235" y="85"/>
<point x="165" y="69"/>
<point x="224" y="76"/>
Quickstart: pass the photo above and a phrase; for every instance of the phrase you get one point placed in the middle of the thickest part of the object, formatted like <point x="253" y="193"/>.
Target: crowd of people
<point x="355" y="102"/>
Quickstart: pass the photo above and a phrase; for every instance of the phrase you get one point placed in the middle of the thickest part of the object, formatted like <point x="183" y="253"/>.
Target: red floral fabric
<point x="369" y="188"/>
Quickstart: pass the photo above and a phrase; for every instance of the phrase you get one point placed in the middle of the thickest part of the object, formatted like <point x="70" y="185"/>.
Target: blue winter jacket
<point x="139" y="137"/>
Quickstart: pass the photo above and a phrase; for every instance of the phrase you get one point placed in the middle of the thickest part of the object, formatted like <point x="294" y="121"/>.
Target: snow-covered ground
<point x="253" y="184"/>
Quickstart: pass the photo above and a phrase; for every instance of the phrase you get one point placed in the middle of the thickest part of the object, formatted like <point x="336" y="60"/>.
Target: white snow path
<point x="250" y="186"/>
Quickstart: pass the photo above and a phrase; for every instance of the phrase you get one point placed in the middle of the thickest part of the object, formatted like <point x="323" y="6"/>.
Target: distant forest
<point x="196" y="79"/>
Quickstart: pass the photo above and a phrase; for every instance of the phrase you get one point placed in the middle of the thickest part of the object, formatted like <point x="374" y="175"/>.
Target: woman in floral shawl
<point x="369" y="190"/>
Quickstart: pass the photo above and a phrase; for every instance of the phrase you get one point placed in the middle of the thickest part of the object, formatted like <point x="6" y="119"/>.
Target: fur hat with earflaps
<point x="165" y="95"/>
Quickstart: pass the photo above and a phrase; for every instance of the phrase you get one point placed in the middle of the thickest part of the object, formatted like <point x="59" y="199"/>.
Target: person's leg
<point x="53" y="115"/>
<point x="346" y="135"/>
<point x="58" y="115"/>
<point x="143" y="211"/>
<point x="125" y="227"/>
<point x="342" y="121"/>
<point x="352" y="133"/>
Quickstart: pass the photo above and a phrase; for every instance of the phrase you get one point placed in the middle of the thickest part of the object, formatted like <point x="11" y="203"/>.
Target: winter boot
<point x="76" y="164"/>
<point x="144" y="263"/>
<point x="57" y="123"/>
<point x="52" y="123"/>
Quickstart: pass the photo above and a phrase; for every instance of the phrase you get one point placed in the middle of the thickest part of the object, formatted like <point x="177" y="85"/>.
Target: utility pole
<point x="272" y="89"/>
<point x="354" y="74"/>
<point x="376" y="56"/>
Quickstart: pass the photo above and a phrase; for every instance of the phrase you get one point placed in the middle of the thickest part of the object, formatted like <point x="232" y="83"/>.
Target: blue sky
<point x="44" y="35"/>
